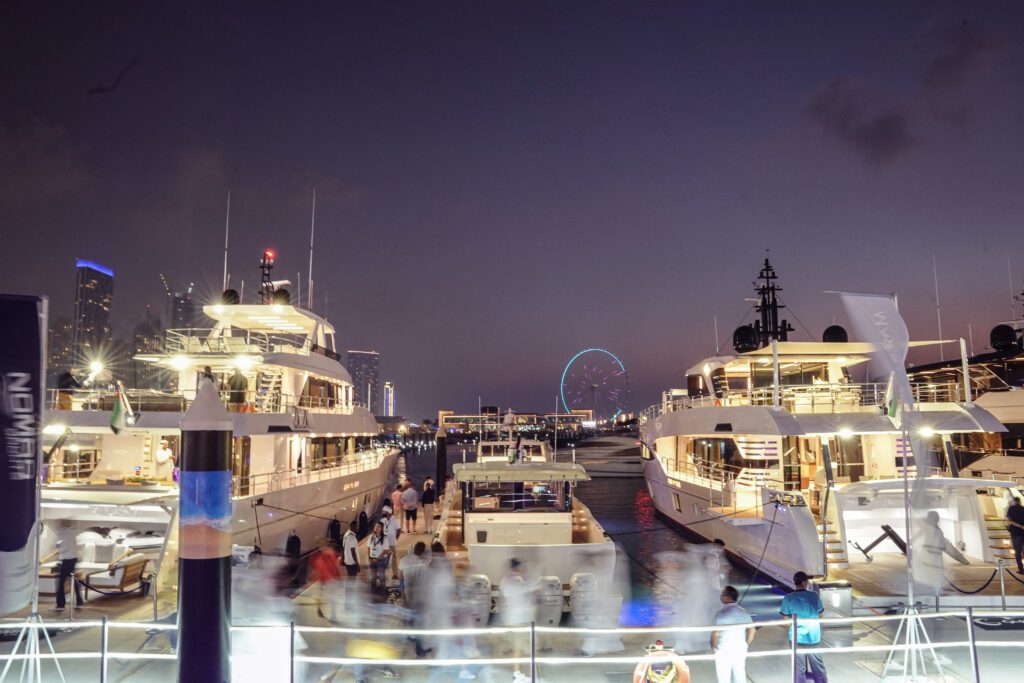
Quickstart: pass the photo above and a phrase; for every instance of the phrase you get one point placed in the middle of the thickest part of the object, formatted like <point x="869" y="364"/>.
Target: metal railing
<point x="195" y="341"/>
<point x="152" y="400"/>
<point x="809" y="398"/>
<point x="268" y="482"/>
<point x="301" y="642"/>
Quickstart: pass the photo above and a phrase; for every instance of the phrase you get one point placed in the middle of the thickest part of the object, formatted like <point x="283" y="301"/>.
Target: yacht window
<point x="509" y="496"/>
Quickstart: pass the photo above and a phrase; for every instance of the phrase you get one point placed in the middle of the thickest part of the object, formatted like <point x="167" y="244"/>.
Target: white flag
<point x="877" y="321"/>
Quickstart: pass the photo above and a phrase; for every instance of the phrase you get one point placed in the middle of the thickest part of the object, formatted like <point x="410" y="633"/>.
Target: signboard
<point x="23" y="321"/>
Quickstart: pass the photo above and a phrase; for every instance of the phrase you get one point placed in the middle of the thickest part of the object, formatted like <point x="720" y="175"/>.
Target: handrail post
<point x="975" y="667"/>
<point x="291" y="651"/>
<point x="792" y="652"/>
<point x="1002" y="583"/>
<point x="533" y="651"/>
<point x="104" y="635"/>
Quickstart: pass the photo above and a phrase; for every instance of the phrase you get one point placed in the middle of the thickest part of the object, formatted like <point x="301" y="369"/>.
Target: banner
<point x="23" y="321"/>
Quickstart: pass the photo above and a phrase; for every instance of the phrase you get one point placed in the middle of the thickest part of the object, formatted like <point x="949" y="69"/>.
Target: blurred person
<point x="410" y="502"/>
<point x="807" y="608"/>
<point x="392" y="528"/>
<point x="428" y="499"/>
<point x="350" y="550"/>
<point x="730" y="646"/>
<point x="378" y="554"/>
<point x="324" y="571"/>
<point x="396" y="499"/>
<point x="517" y="603"/>
<point x="718" y="563"/>
<point x="259" y="654"/>
<point x="67" y="556"/>
<point x="930" y="543"/>
<point x="412" y="571"/>
<point x="163" y="462"/>
<point x="689" y="573"/>
<point x="1015" y="524"/>
<point x="661" y="665"/>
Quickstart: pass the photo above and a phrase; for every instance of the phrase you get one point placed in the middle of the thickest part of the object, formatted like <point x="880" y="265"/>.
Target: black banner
<point x="23" y="321"/>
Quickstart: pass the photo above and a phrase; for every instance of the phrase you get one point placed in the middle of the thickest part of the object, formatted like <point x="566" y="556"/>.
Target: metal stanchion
<point x="975" y="667"/>
<point x="533" y="651"/>
<point x="1002" y="583"/>
<point x="793" y="653"/>
<point x="104" y="636"/>
<point x="291" y="652"/>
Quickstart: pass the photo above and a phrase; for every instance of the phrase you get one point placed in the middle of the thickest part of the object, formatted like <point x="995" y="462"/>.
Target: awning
<point x="525" y="471"/>
<point x="958" y="420"/>
<point x="268" y="318"/>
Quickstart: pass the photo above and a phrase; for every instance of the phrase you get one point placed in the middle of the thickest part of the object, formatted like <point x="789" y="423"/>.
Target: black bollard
<point x="204" y="544"/>
<point x="441" y="463"/>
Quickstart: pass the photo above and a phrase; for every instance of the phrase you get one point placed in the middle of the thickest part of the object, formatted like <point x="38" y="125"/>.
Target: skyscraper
<point x="364" y="367"/>
<point x="389" y="399"/>
<point x="60" y="347"/>
<point x="183" y="310"/>
<point x="147" y="339"/>
<point x="94" y="291"/>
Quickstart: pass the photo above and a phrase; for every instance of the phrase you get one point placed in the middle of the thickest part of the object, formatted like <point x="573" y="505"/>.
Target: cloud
<point x="963" y="52"/>
<point x="38" y="163"/>
<point x="861" y="120"/>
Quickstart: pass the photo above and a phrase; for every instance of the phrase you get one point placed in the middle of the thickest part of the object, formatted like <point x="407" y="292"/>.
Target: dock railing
<point x="946" y="642"/>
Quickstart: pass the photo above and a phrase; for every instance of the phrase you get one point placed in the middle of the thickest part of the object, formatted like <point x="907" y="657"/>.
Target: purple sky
<point x="503" y="184"/>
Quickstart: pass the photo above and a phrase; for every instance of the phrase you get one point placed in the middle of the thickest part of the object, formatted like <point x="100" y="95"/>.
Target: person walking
<point x="378" y="554"/>
<point x="428" y="499"/>
<point x="1015" y="523"/>
<point x="324" y="572"/>
<point x="391" y="527"/>
<point x="730" y="645"/>
<point x="350" y="550"/>
<point x="396" y="499"/>
<point x="410" y="503"/>
<point x="67" y="555"/>
<point x="517" y="601"/>
<point x="807" y="608"/>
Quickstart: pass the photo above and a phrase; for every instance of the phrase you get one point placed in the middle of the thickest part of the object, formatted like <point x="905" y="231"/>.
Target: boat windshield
<point x="518" y="496"/>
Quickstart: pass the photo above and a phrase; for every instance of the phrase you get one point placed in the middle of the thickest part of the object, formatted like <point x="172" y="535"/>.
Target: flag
<point x="121" y="415"/>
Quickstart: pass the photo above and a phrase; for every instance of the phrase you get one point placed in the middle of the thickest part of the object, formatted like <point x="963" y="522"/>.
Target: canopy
<point x="523" y="471"/>
<point x="267" y="318"/>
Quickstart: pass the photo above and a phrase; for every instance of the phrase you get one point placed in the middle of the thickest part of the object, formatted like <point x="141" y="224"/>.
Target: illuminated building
<point x="94" y="291"/>
<point x="364" y="368"/>
<point x="389" y="399"/>
<point x="60" y="349"/>
<point x="148" y="339"/>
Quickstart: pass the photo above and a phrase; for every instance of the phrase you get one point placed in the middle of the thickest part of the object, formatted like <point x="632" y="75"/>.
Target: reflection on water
<point x="626" y="511"/>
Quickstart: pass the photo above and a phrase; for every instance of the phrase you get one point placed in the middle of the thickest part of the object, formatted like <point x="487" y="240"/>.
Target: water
<point x="625" y="510"/>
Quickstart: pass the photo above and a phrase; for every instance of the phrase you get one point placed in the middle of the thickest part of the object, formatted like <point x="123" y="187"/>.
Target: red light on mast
<point x="268" y="254"/>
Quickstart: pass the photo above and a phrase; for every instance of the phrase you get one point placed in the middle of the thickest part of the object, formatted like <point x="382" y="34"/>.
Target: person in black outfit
<point x="1015" y="523"/>
<point x="334" y="533"/>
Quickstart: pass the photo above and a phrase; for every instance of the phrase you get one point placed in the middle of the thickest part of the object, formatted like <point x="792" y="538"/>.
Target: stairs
<point x="835" y="549"/>
<point x="999" y="538"/>
<point x="268" y="392"/>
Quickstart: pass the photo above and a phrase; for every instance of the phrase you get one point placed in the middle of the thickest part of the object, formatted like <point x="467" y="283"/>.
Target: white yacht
<point x="303" y="451"/>
<point x="515" y="502"/>
<point x="780" y="453"/>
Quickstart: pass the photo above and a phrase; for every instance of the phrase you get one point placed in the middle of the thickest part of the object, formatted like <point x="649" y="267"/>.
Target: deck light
<point x="926" y="431"/>
<point x="95" y="367"/>
<point x="179" y="362"/>
<point x="845" y="433"/>
<point x="243" y="363"/>
<point x="54" y="429"/>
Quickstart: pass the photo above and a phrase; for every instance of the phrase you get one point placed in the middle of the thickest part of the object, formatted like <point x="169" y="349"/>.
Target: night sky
<point x="503" y="184"/>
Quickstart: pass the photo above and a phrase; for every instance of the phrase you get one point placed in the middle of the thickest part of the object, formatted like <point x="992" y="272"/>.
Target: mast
<point x="312" y="229"/>
<point x="266" y="285"/>
<point x="938" y="308"/>
<point x="769" y="327"/>
<point x="227" y="225"/>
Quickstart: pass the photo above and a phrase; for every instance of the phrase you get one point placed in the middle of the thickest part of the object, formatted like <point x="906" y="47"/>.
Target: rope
<point x="986" y="584"/>
<point x="1014" y="576"/>
<point x="81" y="582"/>
<point x="767" y="540"/>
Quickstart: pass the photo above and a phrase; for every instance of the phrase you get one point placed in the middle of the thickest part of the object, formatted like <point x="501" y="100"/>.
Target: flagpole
<point x="227" y="226"/>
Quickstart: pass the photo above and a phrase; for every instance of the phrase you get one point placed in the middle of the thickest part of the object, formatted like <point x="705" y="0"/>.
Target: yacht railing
<point x="268" y="482"/>
<point x="810" y="398"/>
<point x="152" y="400"/>
<point x="288" y="651"/>
<point x="196" y="341"/>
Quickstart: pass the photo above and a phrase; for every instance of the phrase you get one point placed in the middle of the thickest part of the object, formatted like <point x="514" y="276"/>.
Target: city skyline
<point x="501" y="187"/>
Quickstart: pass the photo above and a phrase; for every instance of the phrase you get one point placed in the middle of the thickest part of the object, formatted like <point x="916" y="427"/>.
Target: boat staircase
<point x="268" y="391"/>
<point x="999" y="544"/>
<point x="830" y="533"/>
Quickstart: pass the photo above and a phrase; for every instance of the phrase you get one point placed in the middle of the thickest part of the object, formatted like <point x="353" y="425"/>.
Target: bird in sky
<point x="103" y="89"/>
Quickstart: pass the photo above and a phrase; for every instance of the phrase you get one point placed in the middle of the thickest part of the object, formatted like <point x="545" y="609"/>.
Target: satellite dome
<point x="1003" y="338"/>
<point x="744" y="339"/>
<point x="835" y="334"/>
<point x="230" y="297"/>
<point x="282" y="296"/>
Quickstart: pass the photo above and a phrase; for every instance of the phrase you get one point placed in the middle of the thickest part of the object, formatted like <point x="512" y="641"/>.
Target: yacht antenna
<point x="312" y="229"/>
<point x="717" y="345"/>
<point x="266" y="285"/>
<point x="1013" y="297"/>
<point x="938" y="309"/>
<point x="769" y="327"/>
<point x="227" y="225"/>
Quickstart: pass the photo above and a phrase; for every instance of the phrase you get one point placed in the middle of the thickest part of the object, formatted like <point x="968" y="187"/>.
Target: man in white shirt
<point x="390" y="524"/>
<point x="410" y="501"/>
<point x="350" y="550"/>
<point x="67" y="555"/>
<point x="730" y="646"/>
<point x="163" y="462"/>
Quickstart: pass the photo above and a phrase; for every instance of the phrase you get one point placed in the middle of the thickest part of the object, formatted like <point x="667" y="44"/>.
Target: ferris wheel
<point x="595" y="379"/>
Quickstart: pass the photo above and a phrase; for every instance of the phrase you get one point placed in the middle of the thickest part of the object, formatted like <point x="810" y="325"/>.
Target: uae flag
<point x="121" y="415"/>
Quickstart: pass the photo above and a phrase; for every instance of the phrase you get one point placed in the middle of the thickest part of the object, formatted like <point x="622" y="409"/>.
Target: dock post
<point x="441" y="461"/>
<point x="204" y="545"/>
<point x="975" y="667"/>
<point x="533" y="651"/>
<point x="1002" y="583"/>
<point x="793" y="653"/>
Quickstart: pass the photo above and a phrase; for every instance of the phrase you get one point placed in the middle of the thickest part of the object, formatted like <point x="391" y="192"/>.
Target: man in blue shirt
<point x="807" y="608"/>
